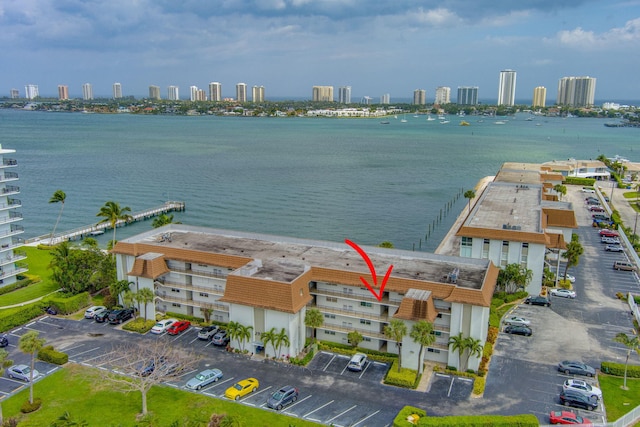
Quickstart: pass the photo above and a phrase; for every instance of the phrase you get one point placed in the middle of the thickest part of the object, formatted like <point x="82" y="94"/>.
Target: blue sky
<point x="374" y="46"/>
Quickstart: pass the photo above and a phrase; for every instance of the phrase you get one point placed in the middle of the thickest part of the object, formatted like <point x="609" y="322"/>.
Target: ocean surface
<point x="324" y="179"/>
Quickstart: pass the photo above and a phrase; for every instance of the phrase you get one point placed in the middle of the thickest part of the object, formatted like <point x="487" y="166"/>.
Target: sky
<point x="288" y="46"/>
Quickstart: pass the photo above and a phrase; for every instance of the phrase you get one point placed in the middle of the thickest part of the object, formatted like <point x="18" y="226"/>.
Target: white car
<point x="517" y="321"/>
<point x="588" y="190"/>
<point x="91" y="311"/>
<point x="570" y="278"/>
<point x="610" y="240"/>
<point x="162" y="326"/>
<point x="583" y="387"/>
<point x="565" y="293"/>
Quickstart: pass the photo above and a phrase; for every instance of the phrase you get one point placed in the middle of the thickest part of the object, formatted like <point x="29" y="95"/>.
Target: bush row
<point x="139" y="325"/>
<point x="10" y="319"/>
<point x="617" y="369"/>
<point x="407" y="378"/>
<point x="49" y="354"/>
<point x="192" y="319"/>
<point x="401" y="420"/>
<point x="525" y="420"/>
<point x="304" y="361"/>
<point x="349" y="350"/>
<point x="571" y="180"/>
<point x="17" y="285"/>
<point x="68" y="305"/>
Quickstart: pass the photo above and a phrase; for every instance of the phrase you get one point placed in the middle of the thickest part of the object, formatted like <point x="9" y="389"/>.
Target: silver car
<point x="21" y="372"/>
<point x="204" y="378"/>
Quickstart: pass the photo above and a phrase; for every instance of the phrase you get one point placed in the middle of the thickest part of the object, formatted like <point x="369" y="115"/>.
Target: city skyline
<point x="380" y="48"/>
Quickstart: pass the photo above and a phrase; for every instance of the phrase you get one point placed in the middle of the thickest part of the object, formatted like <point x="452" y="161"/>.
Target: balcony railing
<point x="13" y="217"/>
<point x="194" y="288"/>
<point x="197" y="273"/>
<point x="356" y="297"/>
<point x="14" y="256"/>
<point x="15" y="229"/>
<point x="11" y="204"/>
<point x="384" y="317"/>
<point x="9" y="162"/>
<point x="15" y="243"/>
<point x="183" y="301"/>
<point x="9" y="189"/>
<point x="347" y="329"/>
<point x="20" y="268"/>
<point x="8" y="176"/>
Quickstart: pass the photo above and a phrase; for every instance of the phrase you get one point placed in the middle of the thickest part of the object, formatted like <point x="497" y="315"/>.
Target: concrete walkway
<point x="21" y="304"/>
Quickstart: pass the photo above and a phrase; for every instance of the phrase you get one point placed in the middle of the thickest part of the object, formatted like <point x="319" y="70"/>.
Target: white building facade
<point x="11" y="258"/>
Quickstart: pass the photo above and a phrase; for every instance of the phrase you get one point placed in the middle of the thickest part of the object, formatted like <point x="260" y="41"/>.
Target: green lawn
<point x="72" y="389"/>
<point x="617" y="401"/>
<point x="38" y="261"/>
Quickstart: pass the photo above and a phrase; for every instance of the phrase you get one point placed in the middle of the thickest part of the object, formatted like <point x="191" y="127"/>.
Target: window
<point x="330" y="316"/>
<point x="437" y="333"/>
<point x="439" y="316"/>
<point x="175" y="290"/>
<point x="504" y="254"/>
<point x="466" y="246"/>
<point x="485" y="248"/>
<point x="203" y="294"/>
<point x="433" y="350"/>
<point x="524" y="254"/>
<point x="329" y="332"/>
<point x="366" y="339"/>
<point x="176" y="305"/>
<point x="365" y="304"/>
<point x="332" y="299"/>
<point x="365" y="322"/>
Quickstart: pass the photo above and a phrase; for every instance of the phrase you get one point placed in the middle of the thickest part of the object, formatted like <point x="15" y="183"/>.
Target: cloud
<point x="619" y="37"/>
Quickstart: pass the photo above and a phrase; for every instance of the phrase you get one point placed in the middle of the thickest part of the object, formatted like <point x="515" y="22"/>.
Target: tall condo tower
<point x="87" y="92"/>
<point x="241" y="92"/>
<point x="31" y="91"/>
<point x="443" y="95"/>
<point x="539" y="96"/>
<point x="419" y="97"/>
<point x="173" y="93"/>
<point x="467" y="95"/>
<point x="385" y="99"/>
<point x="344" y="95"/>
<point x="576" y="91"/>
<point x="507" y="88"/>
<point x="322" y="93"/>
<point x="215" y="91"/>
<point x="14" y="94"/>
<point x="117" y="91"/>
<point x="154" y="92"/>
<point x="63" y="92"/>
<point x="10" y="265"/>
<point x="193" y="93"/>
<point x="257" y="93"/>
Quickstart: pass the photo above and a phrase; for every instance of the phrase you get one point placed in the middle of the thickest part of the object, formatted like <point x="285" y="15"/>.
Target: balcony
<point x="13" y="217"/>
<point x="183" y="301"/>
<point x="20" y="268"/>
<point x="354" y="297"/>
<point x="197" y="273"/>
<point x="15" y="229"/>
<point x="384" y="317"/>
<point x="9" y="162"/>
<point x="193" y="288"/>
<point x="13" y="257"/>
<point x="346" y="330"/>
<point x="8" y="176"/>
<point x="15" y="243"/>
<point x="11" y="204"/>
<point x="10" y="189"/>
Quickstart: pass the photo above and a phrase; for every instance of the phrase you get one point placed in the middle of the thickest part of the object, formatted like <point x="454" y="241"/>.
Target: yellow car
<point x="241" y="388"/>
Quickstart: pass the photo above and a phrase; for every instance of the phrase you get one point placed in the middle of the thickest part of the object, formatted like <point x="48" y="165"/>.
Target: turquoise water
<point x="327" y="179"/>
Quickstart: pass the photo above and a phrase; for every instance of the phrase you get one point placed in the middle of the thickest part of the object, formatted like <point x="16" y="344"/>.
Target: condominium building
<point x="266" y="282"/>
<point x="193" y="93"/>
<point x="344" y="95"/>
<point x="63" y="92"/>
<point x="419" y="97"/>
<point x="215" y="91"/>
<point x="241" y="92"/>
<point x="257" y="93"/>
<point x="540" y="96"/>
<point x="467" y="95"/>
<point x="385" y="99"/>
<point x="31" y="91"/>
<point x="173" y="93"/>
<point x="14" y="94"/>
<point x="10" y="257"/>
<point x="154" y="92"/>
<point x="443" y="95"/>
<point x="322" y="93"/>
<point x="576" y="91"/>
<point x="117" y="91"/>
<point x="87" y="92"/>
<point x="507" y="88"/>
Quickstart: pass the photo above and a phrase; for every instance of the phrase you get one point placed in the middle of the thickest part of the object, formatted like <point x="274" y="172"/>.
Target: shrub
<point x="492" y="334"/>
<point x="617" y="369"/>
<point x="14" y="286"/>
<point x="139" y="325"/>
<point x="192" y="319"/>
<point x="68" y="305"/>
<point x="304" y="361"/>
<point x="12" y="319"/>
<point x="30" y="407"/>
<point x="585" y="182"/>
<point x="49" y="354"/>
<point x="401" y="419"/>
<point x="407" y="378"/>
<point x="478" y="385"/>
<point x="350" y="351"/>
<point x="525" y="420"/>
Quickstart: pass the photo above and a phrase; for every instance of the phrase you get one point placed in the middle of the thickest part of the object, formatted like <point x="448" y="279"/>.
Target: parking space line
<point x="209" y="394"/>
<point x="365" y="419"/>
<point x="299" y="401"/>
<point x="218" y="383"/>
<point x="329" y="363"/>
<point x="341" y="414"/>
<point x="257" y="393"/>
<point x="344" y="369"/>
<point x="64" y="347"/>
<point x="87" y="351"/>
<point x="450" y="387"/>
<point x="443" y="375"/>
<point x="364" y="370"/>
<point x="317" y="409"/>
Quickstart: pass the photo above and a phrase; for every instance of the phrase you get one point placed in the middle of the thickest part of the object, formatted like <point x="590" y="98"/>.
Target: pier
<point x="100" y="228"/>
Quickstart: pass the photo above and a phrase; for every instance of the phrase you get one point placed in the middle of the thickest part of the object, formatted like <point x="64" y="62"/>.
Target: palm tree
<point x="233" y="329"/>
<point x="422" y="333"/>
<point x="395" y="331"/>
<point x="313" y="319"/>
<point x="572" y="254"/>
<point x="31" y="343"/>
<point x="244" y="334"/>
<point x="144" y="296"/>
<point x="58" y="197"/>
<point x="269" y="337"/>
<point x="632" y="343"/>
<point x="474" y="348"/>
<point x="560" y="189"/>
<point x="4" y="363"/>
<point x="117" y="288"/>
<point x="457" y="343"/>
<point x="128" y="298"/>
<point x="469" y="194"/>
<point x="111" y="212"/>
<point x="281" y="339"/>
<point x="163" y="219"/>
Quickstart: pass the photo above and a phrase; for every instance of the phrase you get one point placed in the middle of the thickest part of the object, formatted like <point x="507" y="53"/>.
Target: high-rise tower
<point x="507" y="88"/>
<point x="10" y="265"/>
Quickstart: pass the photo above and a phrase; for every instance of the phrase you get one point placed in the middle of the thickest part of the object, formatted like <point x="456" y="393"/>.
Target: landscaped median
<point x="410" y="416"/>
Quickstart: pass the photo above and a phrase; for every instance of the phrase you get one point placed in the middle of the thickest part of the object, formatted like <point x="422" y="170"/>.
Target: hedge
<point x="17" y="285"/>
<point x="49" y="354"/>
<point x="478" y="385"/>
<point x="525" y="420"/>
<point x="139" y="325"/>
<point x="13" y="319"/>
<point x="588" y="182"/>
<point x="407" y="378"/>
<point x="401" y="419"/>
<point x="617" y="369"/>
<point x="68" y="305"/>
<point x="192" y="319"/>
<point x="349" y="350"/>
<point x="304" y="361"/>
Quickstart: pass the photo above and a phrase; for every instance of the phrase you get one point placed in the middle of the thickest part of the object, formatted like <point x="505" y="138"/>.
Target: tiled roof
<point x="560" y="218"/>
<point x="417" y="305"/>
<point x="150" y="265"/>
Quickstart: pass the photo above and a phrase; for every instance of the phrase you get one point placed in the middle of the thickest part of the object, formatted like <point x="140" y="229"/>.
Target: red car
<point x="566" y="417"/>
<point x="608" y="233"/>
<point x="178" y="327"/>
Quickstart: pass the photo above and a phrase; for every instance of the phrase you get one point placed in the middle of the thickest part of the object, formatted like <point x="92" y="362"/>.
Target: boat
<point x="464" y="123"/>
<point x="444" y="122"/>
<point x="404" y="120"/>
<point x="500" y="122"/>
<point x="430" y="119"/>
<point x="416" y="116"/>
<point x="441" y="117"/>
<point x="529" y="119"/>
<point x="384" y="122"/>
<point x="96" y="233"/>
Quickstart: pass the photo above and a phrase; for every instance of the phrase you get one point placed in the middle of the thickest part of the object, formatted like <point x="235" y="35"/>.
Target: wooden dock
<point x="100" y="228"/>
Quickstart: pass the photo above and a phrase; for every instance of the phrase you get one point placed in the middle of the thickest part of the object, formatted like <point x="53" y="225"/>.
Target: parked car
<point x="21" y="372"/>
<point x="597" y="222"/>
<point x="537" y="300"/>
<point x="178" y="327"/>
<point x="565" y="293"/>
<point x="576" y="399"/>
<point x="583" y="387"/>
<point x="570" y="278"/>
<point x="146" y="368"/>
<point x="91" y="311"/>
<point x="588" y="190"/>
<point x="102" y="316"/>
<point x="4" y="340"/>
<point x="283" y="397"/>
<point x="596" y="208"/>
<point x="204" y="378"/>
<point x="118" y="316"/>
<point x="517" y="321"/>
<point x="593" y="202"/>
<point x="518" y="330"/>
<point x="575" y="367"/>
<point x="358" y="362"/>
<point x="591" y="199"/>
<point x="614" y="248"/>
<point x="624" y="265"/>
<point x="608" y="233"/>
<point x="241" y="388"/>
<point x="610" y="240"/>
<point x="600" y="216"/>
<point x="220" y="338"/>
<point x="566" y="417"/>
<point x="208" y="332"/>
<point x="161" y="326"/>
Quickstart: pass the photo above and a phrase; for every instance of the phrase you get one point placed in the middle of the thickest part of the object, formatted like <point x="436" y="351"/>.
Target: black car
<point x="283" y="397"/>
<point x="537" y="300"/>
<point x="102" y="317"/>
<point x="118" y="316"/>
<point x="518" y="330"/>
<point x="577" y="399"/>
<point x="4" y="340"/>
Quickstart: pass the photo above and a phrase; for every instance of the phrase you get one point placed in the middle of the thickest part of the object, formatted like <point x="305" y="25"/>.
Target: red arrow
<point x="364" y="256"/>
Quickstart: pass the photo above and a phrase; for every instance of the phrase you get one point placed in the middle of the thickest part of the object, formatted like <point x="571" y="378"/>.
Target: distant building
<point x="540" y="96"/>
<point x="201" y="95"/>
<point x="443" y="95"/>
<point x="117" y="91"/>
<point x="322" y="93"/>
<point x="14" y="94"/>
<point x="241" y="92"/>
<point x="87" y="92"/>
<point x="10" y="229"/>
<point x="467" y="95"/>
<point x="419" y="97"/>
<point x="366" y="100"/>
<point x="31" y="91"/>
<point x="257" y="93"/>
<point x="173" y="93"/>
<point x="507" y="88"/>
<point x="344" y="95"/>
<point x="63" y="92"/>
<point x="576" y="91"/>
<point x="385" y="99"/>
<point x="193" y="93"/>
<point x="215" y="91"/>
<point x="154" y="92"/>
